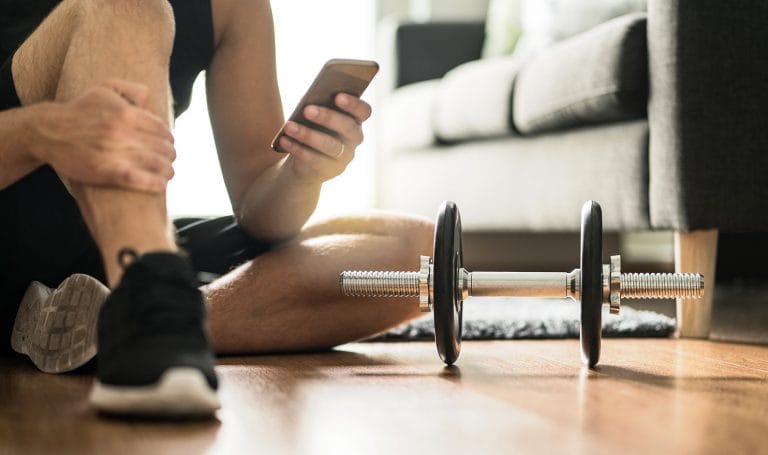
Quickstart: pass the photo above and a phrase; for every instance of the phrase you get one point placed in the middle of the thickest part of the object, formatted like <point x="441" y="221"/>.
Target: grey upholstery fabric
<point x="704" y="165"/>
<point x="534" y="183"/>
<point x="709" y="114"/>
<point x="428" y="50"/>
<point x="405" y="117"/>
<point x="598" y="76"/>
<point x="473" y="100"/>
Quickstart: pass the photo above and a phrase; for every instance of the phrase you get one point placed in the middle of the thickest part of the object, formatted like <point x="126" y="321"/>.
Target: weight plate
<point x="447" y="299"/>
<point x="591" y="282"/>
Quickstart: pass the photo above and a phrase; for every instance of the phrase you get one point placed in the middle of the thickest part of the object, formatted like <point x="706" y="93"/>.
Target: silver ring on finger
<point x="341" y="151"/>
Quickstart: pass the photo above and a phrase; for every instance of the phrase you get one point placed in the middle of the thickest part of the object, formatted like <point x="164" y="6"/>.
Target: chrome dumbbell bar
<point x="545" y="285"/>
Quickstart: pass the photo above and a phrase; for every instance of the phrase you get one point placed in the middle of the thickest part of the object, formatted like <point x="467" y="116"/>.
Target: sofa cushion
<point x="405" y="116"/>
<point x="535" y="183"/>
<point x="598" y="76"/>
<point x="473" y="100"/>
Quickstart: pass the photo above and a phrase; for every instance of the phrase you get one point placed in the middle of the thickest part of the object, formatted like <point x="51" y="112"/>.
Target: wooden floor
<point x="648" y="396"/>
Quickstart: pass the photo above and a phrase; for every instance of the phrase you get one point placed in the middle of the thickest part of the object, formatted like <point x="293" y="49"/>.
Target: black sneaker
<point x="154" y="357"/>
<point x="56" y="328"/>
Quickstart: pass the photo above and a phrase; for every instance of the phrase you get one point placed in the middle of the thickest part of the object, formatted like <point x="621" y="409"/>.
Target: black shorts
<point x="42" y="234"/>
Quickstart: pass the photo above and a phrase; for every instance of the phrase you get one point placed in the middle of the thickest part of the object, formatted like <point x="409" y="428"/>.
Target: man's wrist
<point x="32" y="140"/>
<point x="300" y="181"/>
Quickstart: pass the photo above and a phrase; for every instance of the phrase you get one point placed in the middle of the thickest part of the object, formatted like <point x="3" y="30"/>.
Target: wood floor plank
<point x="528" y="396"/>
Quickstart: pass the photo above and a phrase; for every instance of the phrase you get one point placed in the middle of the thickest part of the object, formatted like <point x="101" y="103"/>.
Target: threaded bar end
<point x="379" y="284"/>
<point x="662" y="285"/>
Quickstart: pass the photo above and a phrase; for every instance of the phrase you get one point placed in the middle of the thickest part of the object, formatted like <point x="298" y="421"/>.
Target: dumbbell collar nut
<point x="425" y="284"/>
<point x="614" y="285"/>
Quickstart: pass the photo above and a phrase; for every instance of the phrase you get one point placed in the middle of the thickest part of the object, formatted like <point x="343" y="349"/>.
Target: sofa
<point x="661" y="116"/>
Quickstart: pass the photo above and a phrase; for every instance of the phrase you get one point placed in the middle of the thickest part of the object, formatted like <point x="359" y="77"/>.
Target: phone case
<point x="336" y="76"/>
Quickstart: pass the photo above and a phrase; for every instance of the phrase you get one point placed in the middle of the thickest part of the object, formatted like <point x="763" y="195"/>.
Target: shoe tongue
<point x="164" y="293"/>
<point x="167" y="266"/>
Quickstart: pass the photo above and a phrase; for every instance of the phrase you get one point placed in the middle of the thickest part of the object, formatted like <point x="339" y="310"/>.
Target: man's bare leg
<point x="154" y="357"/>
<point x="289" y="299"/>
<point x="81" y="44"/>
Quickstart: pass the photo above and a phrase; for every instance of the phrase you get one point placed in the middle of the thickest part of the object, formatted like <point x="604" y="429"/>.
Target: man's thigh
<point x="288" y="298"/>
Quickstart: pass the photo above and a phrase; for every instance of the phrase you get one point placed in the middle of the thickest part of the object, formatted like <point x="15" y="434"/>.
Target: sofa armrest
<point x="708" y="114"/>
<point x="424" y="51"/>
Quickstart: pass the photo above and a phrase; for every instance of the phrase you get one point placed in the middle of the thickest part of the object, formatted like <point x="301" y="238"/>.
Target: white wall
<point x="447" y="9"/>
<point x="432" y="9"/>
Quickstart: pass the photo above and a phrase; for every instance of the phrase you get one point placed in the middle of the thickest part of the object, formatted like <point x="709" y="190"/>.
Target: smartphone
<point x="336" y="76"/>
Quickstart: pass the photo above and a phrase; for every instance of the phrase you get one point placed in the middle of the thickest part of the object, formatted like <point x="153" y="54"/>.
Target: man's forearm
<point x="277" y="205"/>
<point x="16" y="144"/>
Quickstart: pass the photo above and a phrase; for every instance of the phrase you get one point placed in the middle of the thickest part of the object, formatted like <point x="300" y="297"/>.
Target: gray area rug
<point x="504" y="319"/>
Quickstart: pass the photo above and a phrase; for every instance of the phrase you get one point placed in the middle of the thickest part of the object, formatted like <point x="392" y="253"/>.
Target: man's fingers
<point x="128" y="176"/>
<point x="134" y="93"/>
<point x="306" y="156"/>
<point x="148" y="183"/>
<point x="152" y="124"/>
<point x="353" y="105"/>
<point x="343" y="124"/>
<point x="155" y="146"/>
<point x="158" y="165"/>
<point x="137" y="95"/>
<point x="311" y="165"/>
<point x="321" y="142"/>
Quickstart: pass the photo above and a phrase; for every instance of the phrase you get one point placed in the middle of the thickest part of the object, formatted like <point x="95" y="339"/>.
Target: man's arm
<point x="98" y="138"/>
<point x="272" y="194"/>
<point x="245" y="109"/>
<point x="16" y="139"/>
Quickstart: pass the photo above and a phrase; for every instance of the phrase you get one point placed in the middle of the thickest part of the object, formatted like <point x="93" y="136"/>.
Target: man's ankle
<point x="119" y="259"/>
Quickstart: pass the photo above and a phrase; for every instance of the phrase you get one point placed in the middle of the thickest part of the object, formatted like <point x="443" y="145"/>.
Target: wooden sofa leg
<point x="696" y="252"/>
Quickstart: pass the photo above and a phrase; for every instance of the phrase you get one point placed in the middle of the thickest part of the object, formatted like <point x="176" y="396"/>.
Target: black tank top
<point x="192" y="49"/>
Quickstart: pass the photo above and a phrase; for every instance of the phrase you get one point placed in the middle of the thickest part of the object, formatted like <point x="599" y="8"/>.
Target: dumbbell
<point x="442" y="284"/>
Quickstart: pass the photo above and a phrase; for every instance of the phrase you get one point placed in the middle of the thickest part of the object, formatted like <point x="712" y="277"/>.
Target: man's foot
<point x="154" y="358"/>
<point x="56" y="328"/>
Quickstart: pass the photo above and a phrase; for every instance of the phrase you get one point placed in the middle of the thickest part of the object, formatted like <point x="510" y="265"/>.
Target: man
<point x="85" y="156"/>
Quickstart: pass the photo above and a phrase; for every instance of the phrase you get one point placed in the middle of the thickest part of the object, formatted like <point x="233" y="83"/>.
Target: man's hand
<point x="106" y="137"/>
<point x="318" y="156"/>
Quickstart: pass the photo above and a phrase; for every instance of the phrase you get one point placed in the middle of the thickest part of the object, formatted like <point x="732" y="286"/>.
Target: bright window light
<point x="308" y="33"/>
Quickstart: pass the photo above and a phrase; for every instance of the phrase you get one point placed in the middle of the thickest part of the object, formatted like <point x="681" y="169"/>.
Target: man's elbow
<point x="261" y="229"/>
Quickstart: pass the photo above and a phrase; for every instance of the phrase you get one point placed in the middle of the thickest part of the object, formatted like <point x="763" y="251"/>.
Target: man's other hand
<point x="318" y="156"/>
<point x="105" y="137"/>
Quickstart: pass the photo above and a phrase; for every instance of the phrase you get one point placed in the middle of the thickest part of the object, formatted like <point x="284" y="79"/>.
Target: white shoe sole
<point x="56" y="328"/>
<point x="180" y="393"/>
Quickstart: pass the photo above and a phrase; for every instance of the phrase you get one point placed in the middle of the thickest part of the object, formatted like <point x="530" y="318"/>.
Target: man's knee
<point x="421" y="236"/>
<point x="151" y="19"/>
